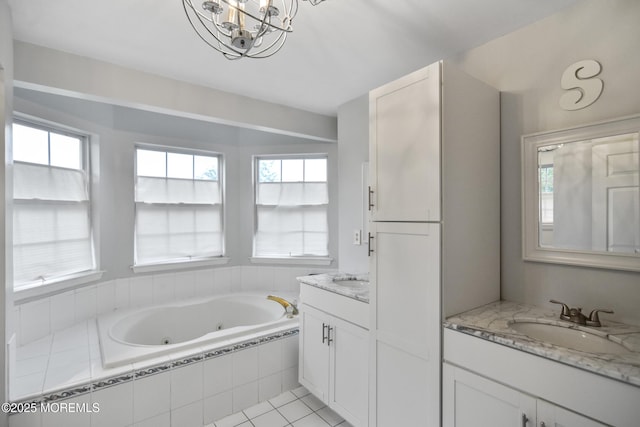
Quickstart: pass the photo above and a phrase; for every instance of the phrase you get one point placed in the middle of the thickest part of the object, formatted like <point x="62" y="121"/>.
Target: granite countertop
<point x="491" y="322"/>
<point x="327" y="281"/>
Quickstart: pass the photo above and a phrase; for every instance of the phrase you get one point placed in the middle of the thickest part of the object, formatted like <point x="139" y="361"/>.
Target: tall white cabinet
<point x="435" y="232"/>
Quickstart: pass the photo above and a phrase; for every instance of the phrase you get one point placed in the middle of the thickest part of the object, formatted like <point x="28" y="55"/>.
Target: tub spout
<point x="289" y="307"/>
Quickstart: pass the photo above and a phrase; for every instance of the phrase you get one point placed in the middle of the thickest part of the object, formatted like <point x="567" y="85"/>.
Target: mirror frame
<point x="531" y="249"/>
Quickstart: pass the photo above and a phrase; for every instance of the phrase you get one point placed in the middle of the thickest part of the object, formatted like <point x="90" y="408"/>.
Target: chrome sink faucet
<point x="575" y="315"/>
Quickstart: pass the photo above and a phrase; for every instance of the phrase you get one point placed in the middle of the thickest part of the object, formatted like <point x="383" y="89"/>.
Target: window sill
<point x="292" y="260"/>
<point x="179" y="265"/>
<point x="38" y="290"/>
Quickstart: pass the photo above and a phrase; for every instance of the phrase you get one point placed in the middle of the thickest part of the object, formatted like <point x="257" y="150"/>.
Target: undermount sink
<point x="351" y="283"/>
<point x="568" y="338"/>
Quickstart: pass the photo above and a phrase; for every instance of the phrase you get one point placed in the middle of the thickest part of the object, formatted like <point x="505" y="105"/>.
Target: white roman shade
<point x="291" y="219"/>
<point x="51" y="222"/>
<point x="177" y="219"/>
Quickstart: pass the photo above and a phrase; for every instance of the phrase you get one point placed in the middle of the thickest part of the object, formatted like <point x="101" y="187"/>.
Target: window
<point x="52" y="230"/>
<point x="178" y="199"/>
<point x="291" y="202"/>
<point x="546" y="194"/>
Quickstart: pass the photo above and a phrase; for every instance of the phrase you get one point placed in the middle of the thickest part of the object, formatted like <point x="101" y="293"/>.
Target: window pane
<point x="30" y="145"/>
<point x="179" y="166"/>
<point x="65" y="151"/>
<point x="151" y="163"/>
<point x="205" y="167"/>
<point x="315" y="170"/>
<point x="292" y="170"/>
<point x="269" y="170"/>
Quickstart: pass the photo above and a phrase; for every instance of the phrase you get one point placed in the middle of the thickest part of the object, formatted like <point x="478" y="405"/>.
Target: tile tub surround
<point x="491" y="322"/>
<point x="41" y="317"/>
<point x="327" y="281"/>
<point x="182" y="389"/>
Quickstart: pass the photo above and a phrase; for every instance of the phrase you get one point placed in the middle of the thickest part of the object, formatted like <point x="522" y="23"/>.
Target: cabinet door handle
<point x="525" y="420"/>
<point x="370" y="203"/>
<point x="369" y="250"/>
<point x="329" y="339"/>
<point x="324" y="337"/>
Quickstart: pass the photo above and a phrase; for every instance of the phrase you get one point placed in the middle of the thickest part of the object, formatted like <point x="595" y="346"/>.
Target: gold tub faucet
<point x="286" y="304"/>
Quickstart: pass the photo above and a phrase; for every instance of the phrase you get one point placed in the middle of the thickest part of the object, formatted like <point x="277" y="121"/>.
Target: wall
<point x="6" y="100"/>
<point x="63" y="73"/>
<point x="353" y="156"/>
<point x="526" y="66"/>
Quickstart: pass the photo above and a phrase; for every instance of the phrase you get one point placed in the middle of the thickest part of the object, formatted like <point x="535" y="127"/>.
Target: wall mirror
<point x="581" y="195"/>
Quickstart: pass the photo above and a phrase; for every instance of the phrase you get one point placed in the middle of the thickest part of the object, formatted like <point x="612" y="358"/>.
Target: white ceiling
<point x="339" y="49"/>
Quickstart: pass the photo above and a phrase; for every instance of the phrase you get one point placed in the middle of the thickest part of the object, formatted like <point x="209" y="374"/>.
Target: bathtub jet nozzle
<point x="289" y="307"/>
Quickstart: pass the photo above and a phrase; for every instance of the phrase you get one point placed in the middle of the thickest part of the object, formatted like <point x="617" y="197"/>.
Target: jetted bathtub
<point x="141" y="334"/>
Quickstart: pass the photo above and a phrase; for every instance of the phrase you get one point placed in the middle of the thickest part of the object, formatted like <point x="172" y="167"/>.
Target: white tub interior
<point x="136" y="335"/>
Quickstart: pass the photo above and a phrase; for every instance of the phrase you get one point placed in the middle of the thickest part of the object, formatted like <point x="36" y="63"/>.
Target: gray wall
<point x="353" y="151"/>
<point x="64" y="73"/>
<point x="526" y="66"/>
<point x="6" y="96"/>
<point x="118" y="128"/>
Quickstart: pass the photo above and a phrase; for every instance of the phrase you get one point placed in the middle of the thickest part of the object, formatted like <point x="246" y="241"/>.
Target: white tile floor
<point x="296" y="408"/>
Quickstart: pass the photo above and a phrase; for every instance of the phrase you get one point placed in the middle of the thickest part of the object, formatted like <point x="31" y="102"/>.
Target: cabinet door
<point x="404" y="148"/>
<point x="349" y="385"/>
<point x="406" y="324"/>
<point x="313" y="365"/>
<point x="550" y="415"/>
<point x="474" y="401"/>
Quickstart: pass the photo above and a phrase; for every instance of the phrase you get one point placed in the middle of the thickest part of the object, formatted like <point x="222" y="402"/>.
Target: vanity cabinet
<point x="434" y="242"/>
<point x="334" y="356"/>
<point x="471" y="400"/>
<point x="484" y="383"/>
<point x="550" y="415"/>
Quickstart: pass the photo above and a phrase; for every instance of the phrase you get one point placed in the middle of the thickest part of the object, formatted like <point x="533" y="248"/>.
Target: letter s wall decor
<point x="583" y="87"/>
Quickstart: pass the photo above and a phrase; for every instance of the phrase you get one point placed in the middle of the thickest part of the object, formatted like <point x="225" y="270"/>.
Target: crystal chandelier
<point x="243" y="28"/>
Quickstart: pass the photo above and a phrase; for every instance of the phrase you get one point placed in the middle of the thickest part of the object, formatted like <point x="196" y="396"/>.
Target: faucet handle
<point x="594" y="319"/>
<point x="565" y="308"/>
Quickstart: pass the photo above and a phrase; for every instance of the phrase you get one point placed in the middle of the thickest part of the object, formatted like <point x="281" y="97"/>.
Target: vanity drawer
<point x="349" y="309"/>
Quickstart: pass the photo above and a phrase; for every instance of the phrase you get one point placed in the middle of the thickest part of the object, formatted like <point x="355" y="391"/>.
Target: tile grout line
<point x="290" y="423"/>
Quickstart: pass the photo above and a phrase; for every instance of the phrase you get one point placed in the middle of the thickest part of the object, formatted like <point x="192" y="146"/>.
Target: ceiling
<point x="339" y="49"/>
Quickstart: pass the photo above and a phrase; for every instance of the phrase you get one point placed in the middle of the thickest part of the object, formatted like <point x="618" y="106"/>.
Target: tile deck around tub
<point x="68" y="363"/>
<point x="295" y="408"/>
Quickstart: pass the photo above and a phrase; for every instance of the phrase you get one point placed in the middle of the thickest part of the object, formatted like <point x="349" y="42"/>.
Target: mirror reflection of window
<point x="545" y="199"/>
